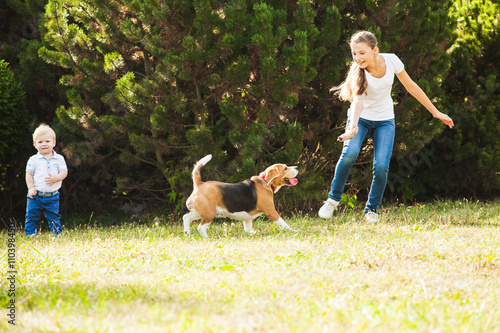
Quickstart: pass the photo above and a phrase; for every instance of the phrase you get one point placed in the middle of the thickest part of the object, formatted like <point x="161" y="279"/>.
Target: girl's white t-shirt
<point x="377" y="101"/>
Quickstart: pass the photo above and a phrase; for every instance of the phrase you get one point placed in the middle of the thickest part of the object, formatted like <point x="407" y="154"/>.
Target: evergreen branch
<point x="66" y="47"/>
<point x="146" y="189"/>
<point x="150" y="162"/>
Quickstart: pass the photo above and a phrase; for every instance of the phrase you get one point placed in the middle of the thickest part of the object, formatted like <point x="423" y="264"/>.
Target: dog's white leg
<point x="187" y="219"/>
<point x="282" y="224"/>
<point x="202" y="229"/>
<point x="248" y="227"/>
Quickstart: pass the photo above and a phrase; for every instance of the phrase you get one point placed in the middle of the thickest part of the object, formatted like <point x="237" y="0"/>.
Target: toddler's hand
<point x="32" y="192"/>
<point x="51" y="180"/>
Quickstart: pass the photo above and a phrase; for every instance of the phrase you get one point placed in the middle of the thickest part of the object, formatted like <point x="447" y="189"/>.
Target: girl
<point x="368" y="87"/>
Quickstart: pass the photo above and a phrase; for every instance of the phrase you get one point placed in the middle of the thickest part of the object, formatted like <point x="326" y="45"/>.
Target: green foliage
<point x="465" y="160"/>
<point x="147" y="88"/>
<point x="13" y="138"/>
<point x="476" y="143"/>
<point x="476" y="50"/>
<point x="247" y="82"/>
<point x="13" y="113"/>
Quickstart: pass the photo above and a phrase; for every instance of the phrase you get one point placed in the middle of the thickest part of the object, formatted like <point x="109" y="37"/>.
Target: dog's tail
<point x="196" y="170"/>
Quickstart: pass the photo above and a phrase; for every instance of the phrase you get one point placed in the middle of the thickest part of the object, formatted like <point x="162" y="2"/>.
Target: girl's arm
<point x="352" y="130"/>
<point x="419" y="94"/>
<point x="357" y="107"/>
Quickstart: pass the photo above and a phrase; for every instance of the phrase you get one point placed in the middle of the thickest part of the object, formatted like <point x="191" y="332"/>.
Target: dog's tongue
<point x="293" y="181"/>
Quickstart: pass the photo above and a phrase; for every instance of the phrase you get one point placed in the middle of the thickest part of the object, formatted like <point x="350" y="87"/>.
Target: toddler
<point x="44" y="175"/>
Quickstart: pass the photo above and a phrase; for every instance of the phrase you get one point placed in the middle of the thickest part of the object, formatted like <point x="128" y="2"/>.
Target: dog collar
<point x="272" y="187"/>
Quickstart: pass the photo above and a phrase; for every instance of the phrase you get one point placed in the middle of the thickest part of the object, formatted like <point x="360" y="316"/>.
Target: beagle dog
<point x="243" y="201"/>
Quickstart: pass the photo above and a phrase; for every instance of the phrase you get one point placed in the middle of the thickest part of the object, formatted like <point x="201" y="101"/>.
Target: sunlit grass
<point x="424" y="268"/>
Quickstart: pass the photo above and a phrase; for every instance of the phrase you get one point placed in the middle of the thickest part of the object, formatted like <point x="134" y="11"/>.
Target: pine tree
<point x="160" y="85"/>
<point x="154" y="86"/>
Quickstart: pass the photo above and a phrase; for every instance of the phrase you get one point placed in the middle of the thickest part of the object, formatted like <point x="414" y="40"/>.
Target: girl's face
<point x="45" y="144"/>
<point x="363" y="54"/>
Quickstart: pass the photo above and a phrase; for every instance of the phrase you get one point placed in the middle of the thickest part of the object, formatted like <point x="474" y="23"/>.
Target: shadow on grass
<point x="74" y="296"/>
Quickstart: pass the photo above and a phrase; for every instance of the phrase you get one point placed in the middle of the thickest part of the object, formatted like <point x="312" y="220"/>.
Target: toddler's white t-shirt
<point x="377" y="101"/>
<point x="42" y="167"/>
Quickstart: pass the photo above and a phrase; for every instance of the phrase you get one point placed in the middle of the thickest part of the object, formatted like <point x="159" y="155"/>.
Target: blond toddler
<point x="44" y="175"/>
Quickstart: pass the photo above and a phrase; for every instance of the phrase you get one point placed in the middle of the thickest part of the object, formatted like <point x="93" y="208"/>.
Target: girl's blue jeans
<point x="382" y="133"/>
<point x="50" y="207"/>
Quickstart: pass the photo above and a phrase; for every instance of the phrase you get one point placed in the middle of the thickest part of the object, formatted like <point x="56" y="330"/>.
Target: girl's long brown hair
<point x="355" y="82"/>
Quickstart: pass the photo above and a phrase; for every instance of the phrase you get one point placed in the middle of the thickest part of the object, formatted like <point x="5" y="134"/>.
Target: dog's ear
<point x="270" y="174"/>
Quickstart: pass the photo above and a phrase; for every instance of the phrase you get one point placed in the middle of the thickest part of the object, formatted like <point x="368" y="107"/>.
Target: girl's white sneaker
<point x="326" y="211"/>
<point x="371" y="217"/>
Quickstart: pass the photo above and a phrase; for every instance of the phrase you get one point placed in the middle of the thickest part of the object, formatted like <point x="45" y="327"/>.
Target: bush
<point x="13" y="136"/>
<point x="464" y="161"/>
<point x="13" y="113"/>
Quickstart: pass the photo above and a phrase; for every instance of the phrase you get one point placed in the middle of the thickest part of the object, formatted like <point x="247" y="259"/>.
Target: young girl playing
<point x="368" y="87"/>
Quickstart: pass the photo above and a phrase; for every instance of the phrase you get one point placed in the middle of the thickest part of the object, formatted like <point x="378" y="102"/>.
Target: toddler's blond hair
<point x="43" y="129"/>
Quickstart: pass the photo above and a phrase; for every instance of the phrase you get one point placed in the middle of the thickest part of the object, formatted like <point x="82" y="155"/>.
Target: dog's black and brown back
<point x="239" y="197"/>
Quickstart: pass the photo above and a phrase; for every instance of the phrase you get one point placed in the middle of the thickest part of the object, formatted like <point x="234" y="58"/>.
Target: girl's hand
<point x="349" y="134"/>
<point x="445" y="119"/>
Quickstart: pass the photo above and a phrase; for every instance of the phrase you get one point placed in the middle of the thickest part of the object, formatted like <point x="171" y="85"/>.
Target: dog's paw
<point x="287" y="228"/>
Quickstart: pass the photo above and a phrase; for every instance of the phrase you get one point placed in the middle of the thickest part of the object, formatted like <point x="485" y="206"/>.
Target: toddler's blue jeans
<point x="382" y="133"/>
<point x="50" y="207"/>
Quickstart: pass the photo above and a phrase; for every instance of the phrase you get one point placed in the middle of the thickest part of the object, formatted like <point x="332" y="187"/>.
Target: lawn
<point x="423" y="268"/>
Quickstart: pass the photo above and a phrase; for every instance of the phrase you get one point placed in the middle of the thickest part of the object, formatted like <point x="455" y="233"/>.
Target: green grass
<point x="426" y="268"/>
